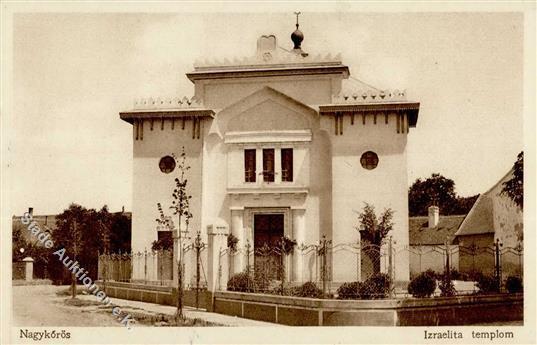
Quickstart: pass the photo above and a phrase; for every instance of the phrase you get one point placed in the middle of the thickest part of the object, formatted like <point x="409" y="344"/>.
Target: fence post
<point x="519" y="253"/>
<point x="220" y="269"/>
<point x="497" y="268"/>
<point x="145" y="265"/>
<point x="390" y="267"/>
<point x="198" y="245"/>
<point x="323" y="253"/>
<point x="447" y="268"/>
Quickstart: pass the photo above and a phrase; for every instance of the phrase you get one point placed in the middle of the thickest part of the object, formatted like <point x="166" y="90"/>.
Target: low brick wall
<point x="409" y="312"/>
<point x="155" y="294"/>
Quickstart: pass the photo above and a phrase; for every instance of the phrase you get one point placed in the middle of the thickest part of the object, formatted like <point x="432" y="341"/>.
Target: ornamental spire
<point x="297" y="37"/>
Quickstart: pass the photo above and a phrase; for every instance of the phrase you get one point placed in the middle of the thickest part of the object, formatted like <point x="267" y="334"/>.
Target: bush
<point x="513" y="284"/>
<point x="308" y="289"/>
<point x="423" y="285"/>
<point x="376" y="286"/>
<point x="447" y="289"/>
<point x="349" y="290"/>
<point x="487" y="284"/>
<point x="261" y="279"/>
<point x="241" y="282"/>
<point x="456" y="275"/>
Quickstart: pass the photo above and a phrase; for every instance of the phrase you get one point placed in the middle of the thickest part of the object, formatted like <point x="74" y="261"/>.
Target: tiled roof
<point x="480" y="219"/>
<point x="421" y="234"/>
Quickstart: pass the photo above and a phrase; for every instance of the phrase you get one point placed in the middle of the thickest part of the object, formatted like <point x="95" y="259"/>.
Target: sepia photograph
<point x="210" y="174"/>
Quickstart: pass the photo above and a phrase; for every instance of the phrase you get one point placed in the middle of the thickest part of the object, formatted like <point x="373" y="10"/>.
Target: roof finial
<point x="297" y="37"/>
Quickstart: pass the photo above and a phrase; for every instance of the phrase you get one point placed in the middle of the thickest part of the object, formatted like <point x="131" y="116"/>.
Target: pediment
<point x="267" y="109"/>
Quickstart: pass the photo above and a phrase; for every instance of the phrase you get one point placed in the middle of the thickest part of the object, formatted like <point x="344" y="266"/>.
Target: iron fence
<point x="328" y="265"/>
<point x="156" y="267"/>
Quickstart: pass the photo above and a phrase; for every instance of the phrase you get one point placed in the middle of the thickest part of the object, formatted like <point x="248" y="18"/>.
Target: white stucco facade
<point x="275" y="100"/>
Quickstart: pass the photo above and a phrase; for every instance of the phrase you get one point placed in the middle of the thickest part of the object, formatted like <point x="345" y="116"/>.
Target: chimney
<point x="31" y="211"/>
<point x="122" y="209"/>
<point x="434" y="215"/>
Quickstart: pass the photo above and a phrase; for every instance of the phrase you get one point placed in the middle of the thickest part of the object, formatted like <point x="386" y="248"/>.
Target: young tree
<point x="373" y="230"/>
<point x="514" y="187"/>
<point x="181" y="208"/>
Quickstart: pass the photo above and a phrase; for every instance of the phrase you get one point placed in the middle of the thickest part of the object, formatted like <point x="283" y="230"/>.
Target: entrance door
<point x="268" y="232"/>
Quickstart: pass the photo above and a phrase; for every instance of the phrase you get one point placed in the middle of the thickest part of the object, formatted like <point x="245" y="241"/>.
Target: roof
<point x="421" y="234"/>
<point x="368" y="99"/>
<point x="45" y="222"/>
<point x="480" y="219"/>
<point x="165" y="108"/>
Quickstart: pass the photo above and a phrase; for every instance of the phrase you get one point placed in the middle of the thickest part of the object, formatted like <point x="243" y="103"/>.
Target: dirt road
<point x="39" y="305"/>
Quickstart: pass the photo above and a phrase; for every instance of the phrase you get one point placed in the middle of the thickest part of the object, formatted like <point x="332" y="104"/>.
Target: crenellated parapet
<point x="267" y="58"/>
<point x="167" y="103"/>
<point x="370" y="96"/>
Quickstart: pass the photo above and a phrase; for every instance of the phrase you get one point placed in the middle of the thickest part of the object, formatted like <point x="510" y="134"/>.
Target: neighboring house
<point x="276" y="147"/>
<point x="427" y="241"/>
<point x="45" y="222"/>
<point x="493" y="217"/>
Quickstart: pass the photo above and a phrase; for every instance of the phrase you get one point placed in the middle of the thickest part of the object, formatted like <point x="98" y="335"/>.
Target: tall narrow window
<point x="249" y="165"/>
<point x="287" y="165"/>
<point x="268" y="165"/>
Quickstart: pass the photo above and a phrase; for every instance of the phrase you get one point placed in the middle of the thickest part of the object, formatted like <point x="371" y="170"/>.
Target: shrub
<point x="308" y="289"/>
<point x="487" y="284"/>
<point x="513" y="284"/>
<point x="232" y="241"/>
<point x="241" y="282"/>
<point x="261" y="279"/>
<point x="447" y="289"/>
<point x="376" y="286"/>
<point x="423" y="285"/>
<point x="456" y="275"/>
<point x="349" y="290"/>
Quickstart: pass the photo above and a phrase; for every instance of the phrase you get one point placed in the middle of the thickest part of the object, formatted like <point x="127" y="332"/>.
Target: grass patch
<point x="76" y="302"/>
<point x="164" y="320"/>
<point x="67" y="291"/>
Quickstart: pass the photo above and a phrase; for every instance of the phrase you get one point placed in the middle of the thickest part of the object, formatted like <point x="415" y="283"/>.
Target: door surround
<point x="250" y="212"/>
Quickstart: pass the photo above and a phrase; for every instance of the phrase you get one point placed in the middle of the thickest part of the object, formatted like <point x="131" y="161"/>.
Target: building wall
<point x="482" y="258"/>
<point x="152" y="186"/>
<point x="220" y="93"/>
<point x="383" y="187"/>
<point x="508" y="228"/>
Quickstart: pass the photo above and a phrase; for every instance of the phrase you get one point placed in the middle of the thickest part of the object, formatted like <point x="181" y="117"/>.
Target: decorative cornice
<point x="166" y="108"/>
<point x="130" y="116"/>
<point x="254" y="137"/>
<point x="267" y="72"/>
<point x="364" y="107"/>
<point x="372" y="101"/>
<point x="269" y="189"/>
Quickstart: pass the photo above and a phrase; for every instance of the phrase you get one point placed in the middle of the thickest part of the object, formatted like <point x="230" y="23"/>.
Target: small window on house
<point x="167" y="164"/>
<point x="249" y="165"/>
<point x="287" y="165"/>
<point x="369" y="160"/>
<point x="268" y="165"/>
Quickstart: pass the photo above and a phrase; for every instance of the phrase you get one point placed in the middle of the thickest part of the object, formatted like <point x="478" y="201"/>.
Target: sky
<point x="73" y="74"/>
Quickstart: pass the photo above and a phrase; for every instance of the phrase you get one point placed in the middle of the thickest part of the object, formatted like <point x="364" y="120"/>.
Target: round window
<point x="167" y="164"/>
<point x="369" y="160"/>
